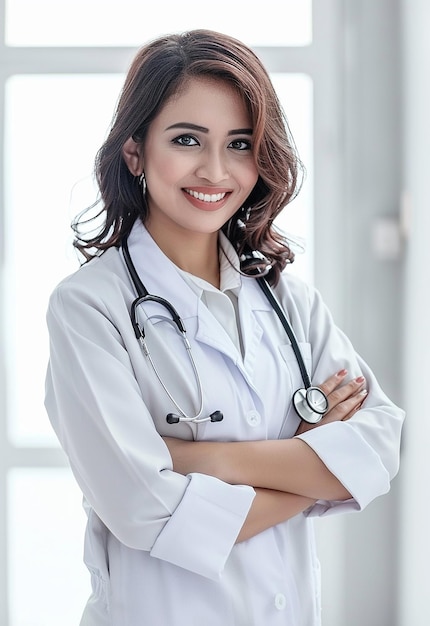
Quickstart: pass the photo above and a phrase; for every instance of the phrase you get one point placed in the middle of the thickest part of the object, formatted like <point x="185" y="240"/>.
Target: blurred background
<point x="353" y="77"/>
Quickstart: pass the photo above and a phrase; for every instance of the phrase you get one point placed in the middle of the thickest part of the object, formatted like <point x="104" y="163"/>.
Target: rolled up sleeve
<point x="203" y="529"/>
<point x="363" y="452"/>
<point x="353" y="461"/>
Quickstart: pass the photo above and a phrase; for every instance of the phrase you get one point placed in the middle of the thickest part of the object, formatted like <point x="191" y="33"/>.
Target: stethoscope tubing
<point x="287" y="327"/>
<point x="310" y="402"/>
<point x="139" y="331"/>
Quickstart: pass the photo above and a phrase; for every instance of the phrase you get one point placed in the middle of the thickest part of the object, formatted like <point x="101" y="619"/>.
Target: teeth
<point x="206" y="197"/>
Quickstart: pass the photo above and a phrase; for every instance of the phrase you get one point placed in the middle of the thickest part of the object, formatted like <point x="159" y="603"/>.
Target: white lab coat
<point x="161" y="546"/>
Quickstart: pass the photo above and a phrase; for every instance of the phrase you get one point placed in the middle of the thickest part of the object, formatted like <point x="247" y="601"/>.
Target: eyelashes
<point x="186" y="140"/>
<point x="241" y="144"/>
<point x="190" y="141"/>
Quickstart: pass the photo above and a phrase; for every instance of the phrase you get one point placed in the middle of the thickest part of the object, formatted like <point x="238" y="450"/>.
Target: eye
<point x="186" y="140"/>
<point x="240" y="144"/>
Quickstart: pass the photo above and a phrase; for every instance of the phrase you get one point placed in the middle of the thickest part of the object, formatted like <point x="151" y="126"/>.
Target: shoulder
<point x="96" y="283"/>
<point x="292" y="289"/>
<point x="302" y="303"/>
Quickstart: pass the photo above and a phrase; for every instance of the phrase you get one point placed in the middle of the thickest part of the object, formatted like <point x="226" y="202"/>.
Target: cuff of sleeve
<point x="323" y="508"/>
<point x="351" y="459"/>
<point x="204" y="527"/>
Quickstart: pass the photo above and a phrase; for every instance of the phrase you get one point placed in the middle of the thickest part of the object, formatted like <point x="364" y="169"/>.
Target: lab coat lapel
<point x="211" y="333"/>
<point x="251" y="302"/>
<point x="161" y="277"/>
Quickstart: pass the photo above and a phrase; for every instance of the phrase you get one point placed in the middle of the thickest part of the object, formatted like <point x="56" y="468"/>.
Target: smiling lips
<point x="208" y="199"/>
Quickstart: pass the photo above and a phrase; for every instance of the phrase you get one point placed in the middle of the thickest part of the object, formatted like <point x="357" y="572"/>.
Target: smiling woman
<point x="227" y="81"/>
<point x="197" y="165"/>
<point x="195" y="183"/>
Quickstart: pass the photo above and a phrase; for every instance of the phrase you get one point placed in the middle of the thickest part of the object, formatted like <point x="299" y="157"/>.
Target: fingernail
<point x="364" y="392"/>
<point x="360" y="379"/>
<point x="342" y="373"/>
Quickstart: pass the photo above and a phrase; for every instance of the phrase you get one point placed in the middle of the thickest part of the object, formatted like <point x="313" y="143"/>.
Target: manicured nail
<point x="360" y="379"/>
<point x="342" y="373"/>
<point x="363" y="392"/>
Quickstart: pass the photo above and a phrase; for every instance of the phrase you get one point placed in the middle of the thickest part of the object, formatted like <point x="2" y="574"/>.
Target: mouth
<point x="206" y="197"/>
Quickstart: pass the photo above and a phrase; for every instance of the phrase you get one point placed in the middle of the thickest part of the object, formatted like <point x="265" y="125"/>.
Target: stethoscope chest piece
<point x="311" y="404"/>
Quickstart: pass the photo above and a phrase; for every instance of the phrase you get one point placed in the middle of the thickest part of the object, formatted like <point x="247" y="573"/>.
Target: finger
<point x="329" y="385"/>
<point x="358" y="402"/>
<point x="347" y="408"/>
<point x="349" y="390"/>
<point x="355" y="409"/>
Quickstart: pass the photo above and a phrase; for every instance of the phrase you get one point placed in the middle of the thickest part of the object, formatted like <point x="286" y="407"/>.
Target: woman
<point x="191" y="519"/>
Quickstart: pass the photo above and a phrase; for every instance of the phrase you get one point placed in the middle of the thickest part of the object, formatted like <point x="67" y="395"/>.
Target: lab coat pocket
<point x="290" y="358"/>
<point x="97" y="610"/>
<point x="291" y="419"/>
<point x="97" y="561"/>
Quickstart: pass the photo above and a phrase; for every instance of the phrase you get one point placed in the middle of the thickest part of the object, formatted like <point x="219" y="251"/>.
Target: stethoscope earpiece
<point x="216" y="416"/>
<point x="174" y="418"/>
<point x="171" y="418"/>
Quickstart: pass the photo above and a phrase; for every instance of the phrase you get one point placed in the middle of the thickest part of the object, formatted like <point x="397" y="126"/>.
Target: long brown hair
<point x="159" y="70"/>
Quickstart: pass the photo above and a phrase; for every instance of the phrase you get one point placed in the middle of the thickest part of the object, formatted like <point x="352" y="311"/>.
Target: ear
<point x="132" y="153"/>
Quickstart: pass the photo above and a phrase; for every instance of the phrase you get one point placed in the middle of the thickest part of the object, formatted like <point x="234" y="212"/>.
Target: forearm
<point x="270" y="508"/>
<point x="287" y="465"/>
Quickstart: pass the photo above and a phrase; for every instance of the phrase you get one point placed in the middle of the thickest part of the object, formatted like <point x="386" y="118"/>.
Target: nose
<point x="213" y="166"/>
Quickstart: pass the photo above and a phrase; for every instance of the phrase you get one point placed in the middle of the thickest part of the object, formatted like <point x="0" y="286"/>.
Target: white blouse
<point x="222" y="302"/>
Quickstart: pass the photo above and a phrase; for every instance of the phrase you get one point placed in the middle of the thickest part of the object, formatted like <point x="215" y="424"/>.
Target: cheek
<point x="250" y="177"/>
<point x="165" y="168"/>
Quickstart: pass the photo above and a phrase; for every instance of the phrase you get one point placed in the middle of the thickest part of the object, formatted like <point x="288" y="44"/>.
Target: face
<point x="198" y="160"/>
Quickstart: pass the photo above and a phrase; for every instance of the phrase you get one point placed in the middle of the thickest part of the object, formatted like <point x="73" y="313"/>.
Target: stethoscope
<point x="310" y="402"/>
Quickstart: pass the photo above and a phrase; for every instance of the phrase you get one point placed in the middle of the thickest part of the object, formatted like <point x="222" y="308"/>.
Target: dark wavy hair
<point x="161" y="69"/>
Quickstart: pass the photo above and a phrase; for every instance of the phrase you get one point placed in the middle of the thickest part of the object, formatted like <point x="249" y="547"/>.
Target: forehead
<point x="206" y="98"/>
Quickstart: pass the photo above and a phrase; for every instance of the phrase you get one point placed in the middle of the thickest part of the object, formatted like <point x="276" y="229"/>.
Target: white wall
<point x="415" y="476"/>
<point x="361" y="588"/>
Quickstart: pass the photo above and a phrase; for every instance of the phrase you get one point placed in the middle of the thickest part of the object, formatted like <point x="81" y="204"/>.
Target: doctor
<point x="193" y="521"/>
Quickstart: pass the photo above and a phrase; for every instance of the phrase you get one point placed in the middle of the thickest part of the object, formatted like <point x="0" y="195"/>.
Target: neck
<point x="196" y="253"/>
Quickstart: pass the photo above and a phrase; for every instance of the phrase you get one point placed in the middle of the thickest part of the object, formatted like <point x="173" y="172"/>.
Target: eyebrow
<point x="202" y="129"/>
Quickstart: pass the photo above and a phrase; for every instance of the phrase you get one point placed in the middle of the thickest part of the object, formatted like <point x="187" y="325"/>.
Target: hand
<point x="344" y="400"/>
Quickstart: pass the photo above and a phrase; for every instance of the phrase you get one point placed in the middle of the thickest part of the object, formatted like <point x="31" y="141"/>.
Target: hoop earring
<point x="142" y="183"/>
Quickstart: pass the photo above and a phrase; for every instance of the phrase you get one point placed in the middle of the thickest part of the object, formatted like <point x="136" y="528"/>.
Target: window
<point x="130" y="23"/>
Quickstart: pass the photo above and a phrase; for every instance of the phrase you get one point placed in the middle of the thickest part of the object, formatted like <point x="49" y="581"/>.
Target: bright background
<point x="352" y="76"/>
